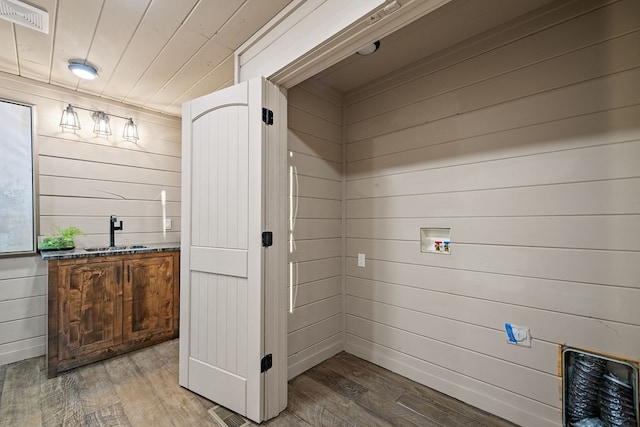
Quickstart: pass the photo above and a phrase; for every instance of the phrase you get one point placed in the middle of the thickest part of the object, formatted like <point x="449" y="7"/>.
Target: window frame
<point x="26" y="155"/>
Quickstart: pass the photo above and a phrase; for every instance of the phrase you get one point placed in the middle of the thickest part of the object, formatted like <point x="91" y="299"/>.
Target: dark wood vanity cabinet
<point x="103" y="306"/>
<point x="89" y="308"/>
<point x="148" y="298"/>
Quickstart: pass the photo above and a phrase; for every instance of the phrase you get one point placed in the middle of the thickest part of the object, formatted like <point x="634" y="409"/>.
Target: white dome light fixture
<point x="369" y="49"/>
<point x="83" y="70"/>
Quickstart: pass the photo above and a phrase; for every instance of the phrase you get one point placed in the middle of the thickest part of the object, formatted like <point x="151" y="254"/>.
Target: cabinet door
<point x="148" y="297"/>
<point x="90" y="308"/>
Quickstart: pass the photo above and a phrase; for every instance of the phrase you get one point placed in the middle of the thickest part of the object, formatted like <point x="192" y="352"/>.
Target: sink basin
<point x="114" y="248"/>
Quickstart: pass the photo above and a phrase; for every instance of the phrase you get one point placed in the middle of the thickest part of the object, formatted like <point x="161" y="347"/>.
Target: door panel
<point x="148" y="297"/>
<point x="223" y="261"/>
<point x="219" y="171"/>
<point x="90" y="309"/>
<point x="225" y="185"/>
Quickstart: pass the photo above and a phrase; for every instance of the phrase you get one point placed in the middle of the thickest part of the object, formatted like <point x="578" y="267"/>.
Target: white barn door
<point x="230" y="282"/>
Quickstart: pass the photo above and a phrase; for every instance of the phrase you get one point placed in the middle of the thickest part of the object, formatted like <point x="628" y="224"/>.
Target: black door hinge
<point x="266" y="363"/>
<point x="267" y="116"/>
<point x="267" y="238"/>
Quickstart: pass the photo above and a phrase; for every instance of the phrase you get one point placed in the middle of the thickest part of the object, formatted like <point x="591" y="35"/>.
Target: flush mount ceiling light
<point x="369" y="49"/>
<point x="83" y="70"/>
<point x="102" y="124"/>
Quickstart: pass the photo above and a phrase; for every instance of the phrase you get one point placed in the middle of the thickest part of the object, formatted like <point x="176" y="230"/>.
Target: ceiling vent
<point x="24" y="14"/>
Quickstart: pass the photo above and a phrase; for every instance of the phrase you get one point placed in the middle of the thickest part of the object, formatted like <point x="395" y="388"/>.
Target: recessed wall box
<point x="435" y="240"/>
<point x="599" y="386"/>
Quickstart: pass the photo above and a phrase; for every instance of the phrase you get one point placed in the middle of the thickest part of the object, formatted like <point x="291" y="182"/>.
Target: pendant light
<point x="130" y="132"/>
<point x="101" y="125"/>
<point x="69" y="119"/>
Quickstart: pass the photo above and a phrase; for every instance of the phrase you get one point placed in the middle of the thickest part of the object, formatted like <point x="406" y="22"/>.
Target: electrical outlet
<point x="518" y="335"/>
<point x="167" y="224"/>
<point x="361" y="258"/>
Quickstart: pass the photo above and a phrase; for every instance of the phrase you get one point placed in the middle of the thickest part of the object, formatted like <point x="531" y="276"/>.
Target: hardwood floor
<point x="141" y="389"/>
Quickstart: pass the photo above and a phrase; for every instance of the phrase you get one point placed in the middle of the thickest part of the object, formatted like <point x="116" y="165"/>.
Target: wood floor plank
<point x="169" y="354"/>
<point x="108" y="416"/>
<point x="433" y="411"/>
<point x="141" y="389"/>
<point x="334" y="402"/>
<point x="3" y="370"/>
<point x="138" y="398"/>
<point x="337" y="382"/>
<point x="311" y="411"/>
<point x="381" y="395"/>
<point x="96" y="389"/>
<point x="183" y="407"/>
<point x="60" y="401"/>
<point x="286" y="419"/>
<point x="365" y="377"/>
<point x="481" y="418"/>
<point x="21" y="398"/>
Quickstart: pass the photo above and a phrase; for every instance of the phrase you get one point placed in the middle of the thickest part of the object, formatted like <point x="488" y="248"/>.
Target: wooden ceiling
<point x="157" y="54"/>
<point x="154" y="54"/>
<point x="451" y="24"/>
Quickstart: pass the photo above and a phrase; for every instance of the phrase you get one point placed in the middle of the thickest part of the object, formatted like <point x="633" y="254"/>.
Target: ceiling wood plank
<point x="157" y="54"/>
<point x="178" y="51"/>
<point x="218" y="79"/>
<point x="210" y="15"/>
<point x="174" y="64"/>
<point x="158" y="26"/>
<point x="76" y="23"/>
<point x="34" y="47"/>
<point x="118" y="22"/>
<point x="200" y="65"/>
<point x="8" y="58"/>
<point x="250" y="17"/>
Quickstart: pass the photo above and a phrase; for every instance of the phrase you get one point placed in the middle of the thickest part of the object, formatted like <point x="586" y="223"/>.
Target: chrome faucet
<point x="112" y="229"/>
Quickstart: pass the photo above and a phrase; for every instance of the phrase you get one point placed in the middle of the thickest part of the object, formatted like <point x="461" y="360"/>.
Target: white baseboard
<point x="479" y="396"/>
<point x="21" y="350"/>
<point x="305" y="362"/>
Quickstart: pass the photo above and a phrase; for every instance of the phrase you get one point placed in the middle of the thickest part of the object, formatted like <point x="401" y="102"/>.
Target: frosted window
<point x="17" y="206"/>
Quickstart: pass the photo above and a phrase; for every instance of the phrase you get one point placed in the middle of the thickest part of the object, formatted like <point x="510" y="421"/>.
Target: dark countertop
<point x="126" y="250"/>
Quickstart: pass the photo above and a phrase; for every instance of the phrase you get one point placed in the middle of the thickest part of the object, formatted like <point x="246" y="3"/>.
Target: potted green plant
<point x="62" y="239"/>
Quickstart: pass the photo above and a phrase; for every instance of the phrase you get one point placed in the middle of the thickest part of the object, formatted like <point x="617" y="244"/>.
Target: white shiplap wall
<point x="315" y="328"/>
<point x="526" y="143"/>
<point x="82" y="180"/>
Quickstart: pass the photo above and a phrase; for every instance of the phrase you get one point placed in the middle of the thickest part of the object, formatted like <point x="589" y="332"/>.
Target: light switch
<point x="167" y="224"/>
<point x="360" y="260"/>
